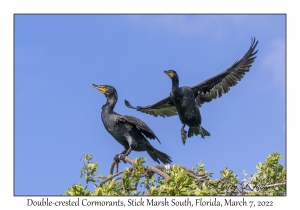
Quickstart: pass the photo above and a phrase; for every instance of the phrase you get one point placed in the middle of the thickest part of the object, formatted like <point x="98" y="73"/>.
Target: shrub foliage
<point x="177" y="180"/>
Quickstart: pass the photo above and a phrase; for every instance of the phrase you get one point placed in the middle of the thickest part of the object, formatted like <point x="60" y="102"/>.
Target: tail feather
<point x="129" y="105"/>
<point x="159" y="156"/>
<point x="198" y="130"/>
<point x="205" y="132"/>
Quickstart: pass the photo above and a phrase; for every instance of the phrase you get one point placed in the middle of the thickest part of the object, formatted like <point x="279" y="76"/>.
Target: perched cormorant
<point x="129" y="131"/>
<point x="184" y="100"/>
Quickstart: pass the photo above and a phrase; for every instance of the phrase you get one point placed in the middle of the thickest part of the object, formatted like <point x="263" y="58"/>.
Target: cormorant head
<point x="171" y="73"/>
<point x="107" y="90"/>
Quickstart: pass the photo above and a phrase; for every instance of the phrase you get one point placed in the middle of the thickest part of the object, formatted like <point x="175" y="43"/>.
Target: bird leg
<point x="116" y="158"/>
<point x="122" y="156"/>
<point x="201" y="132"/>
<point x="183" y="134"/>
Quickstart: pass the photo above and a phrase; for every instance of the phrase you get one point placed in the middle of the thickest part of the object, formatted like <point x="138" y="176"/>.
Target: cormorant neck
<point x="110" y="102"/>
<point x="175" y="83"/>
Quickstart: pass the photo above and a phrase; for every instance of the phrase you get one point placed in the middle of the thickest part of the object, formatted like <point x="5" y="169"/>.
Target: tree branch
<point x="199" y="177"/>
<point x="125" y="192"/>
<point x="274" y="185"/>
<point x="157" y="171"/>
<point x="112" y="166"/>
<point x="112" y="176"/>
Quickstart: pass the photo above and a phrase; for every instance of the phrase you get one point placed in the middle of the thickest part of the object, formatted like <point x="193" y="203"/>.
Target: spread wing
<point x="140" y="124"/>
<point x="218" y="85"/>
<point x="162" y="108"/>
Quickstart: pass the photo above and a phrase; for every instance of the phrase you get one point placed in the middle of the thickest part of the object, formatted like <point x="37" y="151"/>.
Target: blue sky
<point x="57" y="113"/>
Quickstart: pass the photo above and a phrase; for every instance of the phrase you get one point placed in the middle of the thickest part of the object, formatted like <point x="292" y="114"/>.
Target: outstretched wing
<point x="162" y="108"/>
<point x="218" y="85"/>
<point x="141" y="125"/>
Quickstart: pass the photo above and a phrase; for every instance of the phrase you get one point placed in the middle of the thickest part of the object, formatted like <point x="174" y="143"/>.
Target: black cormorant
<point x="129" y="131"/>
<point x="184" y="100"/>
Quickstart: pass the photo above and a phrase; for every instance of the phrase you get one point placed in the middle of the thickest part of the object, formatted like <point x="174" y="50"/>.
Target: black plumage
<point x="129" y="131"/>
<point x="186" y="100"/>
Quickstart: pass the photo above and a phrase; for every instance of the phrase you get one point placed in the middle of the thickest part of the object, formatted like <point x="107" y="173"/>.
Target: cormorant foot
<point x="116" y="158"/>
<point x="183" y="136"/>
<point x="202" y="135"/>
<point x="201" y="132"/>
<point x="119" y="157"/>
<point x="122" y="157"/>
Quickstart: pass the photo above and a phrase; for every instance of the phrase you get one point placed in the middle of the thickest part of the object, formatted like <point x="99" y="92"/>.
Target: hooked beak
<point x="170" y="74"/>
<point x="99" y="87"/>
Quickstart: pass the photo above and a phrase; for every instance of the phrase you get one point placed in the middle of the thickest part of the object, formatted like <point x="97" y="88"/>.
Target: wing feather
<point x="163" y="108"/>
<point x="144" y="128"/>
<point x="220" y="84"/>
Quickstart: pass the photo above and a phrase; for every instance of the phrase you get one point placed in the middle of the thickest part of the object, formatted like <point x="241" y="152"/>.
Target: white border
<point x="9" y="8"/>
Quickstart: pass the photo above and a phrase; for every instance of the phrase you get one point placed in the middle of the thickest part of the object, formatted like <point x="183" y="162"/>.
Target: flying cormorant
<point x="129" y="131"/>
<point x="186" y="100"/>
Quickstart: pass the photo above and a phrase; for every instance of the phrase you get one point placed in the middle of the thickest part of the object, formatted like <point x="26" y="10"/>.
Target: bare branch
<point x="129" y="160"/>
<point x="274" y="185"/>
<point x="111" y="170"/>
<point x="157" y="171"/>
<point x="112" y="166"/>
